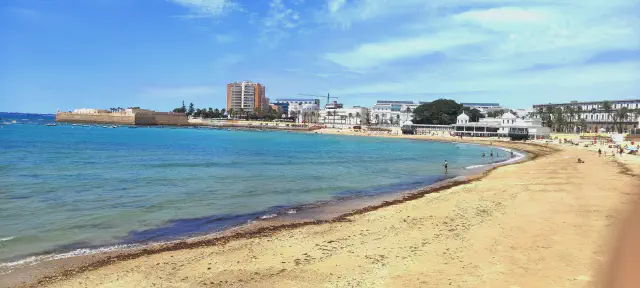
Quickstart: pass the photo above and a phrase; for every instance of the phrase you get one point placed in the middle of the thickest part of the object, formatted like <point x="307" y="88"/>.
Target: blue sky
<point x="65" y="54"/>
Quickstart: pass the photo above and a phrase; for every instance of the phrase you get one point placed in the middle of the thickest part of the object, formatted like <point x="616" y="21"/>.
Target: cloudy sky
<point x="65" y="54"/>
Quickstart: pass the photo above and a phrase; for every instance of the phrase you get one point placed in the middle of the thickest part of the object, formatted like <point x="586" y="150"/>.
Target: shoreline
<point x="263" y="228"/>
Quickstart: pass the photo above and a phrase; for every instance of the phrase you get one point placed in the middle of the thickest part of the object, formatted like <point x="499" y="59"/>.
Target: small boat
<point x="50" y="124"/>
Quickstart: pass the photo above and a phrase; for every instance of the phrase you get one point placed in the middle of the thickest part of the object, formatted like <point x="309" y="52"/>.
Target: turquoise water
<point x="69" y="187"/>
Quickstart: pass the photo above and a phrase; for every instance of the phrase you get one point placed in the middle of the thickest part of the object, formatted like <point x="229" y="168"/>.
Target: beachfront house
<point x="506" y="126"/>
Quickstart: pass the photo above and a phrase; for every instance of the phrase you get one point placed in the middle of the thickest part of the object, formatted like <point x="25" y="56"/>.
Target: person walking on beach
<point x="599" y="152"/>
<point x="446" y="166"/>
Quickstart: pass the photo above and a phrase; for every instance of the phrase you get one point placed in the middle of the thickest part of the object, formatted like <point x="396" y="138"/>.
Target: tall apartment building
<point x="246" y="95"/>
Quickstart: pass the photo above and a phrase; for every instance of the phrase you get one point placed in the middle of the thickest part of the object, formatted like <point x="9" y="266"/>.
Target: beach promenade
<point x="548" y="222"/>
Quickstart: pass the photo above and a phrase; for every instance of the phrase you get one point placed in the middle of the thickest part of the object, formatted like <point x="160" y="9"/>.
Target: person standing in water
<point x="446" y="166"/>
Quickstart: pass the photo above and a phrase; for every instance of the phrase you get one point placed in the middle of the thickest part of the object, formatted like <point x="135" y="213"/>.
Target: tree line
<point x="268" y="113"/>
<point x="446" y="112"/>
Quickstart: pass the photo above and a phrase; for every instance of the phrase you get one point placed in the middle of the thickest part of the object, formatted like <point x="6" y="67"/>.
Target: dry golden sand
<point x="542" y="223"/>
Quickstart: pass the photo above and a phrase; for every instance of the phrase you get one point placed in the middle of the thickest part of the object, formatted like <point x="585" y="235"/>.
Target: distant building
<point x="594" y="115"/>
<point x="343" y="116"/>
<point x="333" y="105"/>
<point x="294" y="106"/>
<point x="89" y="111"/>
<point x="484" y="108"/>
<point x="506" y="126"/>
<point x="247" y="96"/>
<point x="392" y="112"/>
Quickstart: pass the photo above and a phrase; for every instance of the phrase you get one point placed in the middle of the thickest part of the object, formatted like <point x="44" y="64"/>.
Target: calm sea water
<point x="68" y="187"/>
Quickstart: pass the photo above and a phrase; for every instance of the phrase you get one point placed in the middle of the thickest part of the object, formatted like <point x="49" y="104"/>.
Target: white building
<point x="392" y="112"/>
<point x="593" y="114"/>
<point x="343" y="117"/>
<point x="506" y="126"/>
<point x="87" y="111"/>
<point x="307" y="113"/>
<point x="297" y="106"/>
<point x="484" y="108"/>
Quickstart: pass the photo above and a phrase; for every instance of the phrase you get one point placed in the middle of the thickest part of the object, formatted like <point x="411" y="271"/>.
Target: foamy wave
<point x="474" y="166"/>
<point x="7" y="238"/>
<point x="291" y="211"/>
<point x="518" y="157"/>
<point x="80" y="252"/>
<point x="268" y="216"/>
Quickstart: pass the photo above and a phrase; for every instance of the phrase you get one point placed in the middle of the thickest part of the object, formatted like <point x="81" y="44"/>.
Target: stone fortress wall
<point x="137" y="118"/>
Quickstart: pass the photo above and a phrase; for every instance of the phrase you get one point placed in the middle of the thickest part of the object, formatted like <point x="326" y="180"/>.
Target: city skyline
<point x="155" y="54"/>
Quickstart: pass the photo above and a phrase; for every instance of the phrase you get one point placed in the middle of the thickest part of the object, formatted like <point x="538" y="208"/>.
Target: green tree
<point x="619" y="117"/>
<point x="438" y="112"/>
<point x="474" y="114"/>
<point x="607" y="107"/>
<point x="350" y="116"/>
<point x="191" y="110"/>
<point x="582" y="124"/>
<point x="222" y="112"/>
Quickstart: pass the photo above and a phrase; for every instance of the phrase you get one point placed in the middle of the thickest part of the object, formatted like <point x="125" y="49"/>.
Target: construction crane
<point x="320" y="96"/>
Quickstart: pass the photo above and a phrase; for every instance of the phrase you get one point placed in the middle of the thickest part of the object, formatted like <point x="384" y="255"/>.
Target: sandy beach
<point x="548" y="222"/>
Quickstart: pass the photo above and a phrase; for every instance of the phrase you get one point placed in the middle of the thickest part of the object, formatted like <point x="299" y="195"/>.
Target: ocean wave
<point x="79" y="252"/>
<point x="7" y="238"/>
<point x="517" y="157"/>
<point x="268" y="216"/>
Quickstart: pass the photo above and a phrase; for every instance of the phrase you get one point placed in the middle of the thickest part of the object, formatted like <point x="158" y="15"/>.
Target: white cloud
<point x="370" y="55"/>
<point x="207" y="8"/>
<point x="278" y="23"/>
<point x="538" y="48"/>
<point x="335" y="5"/>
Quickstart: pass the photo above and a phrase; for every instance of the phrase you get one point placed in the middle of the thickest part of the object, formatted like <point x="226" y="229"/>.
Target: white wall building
<point x="505" y="126"/>
<point x="343" y="117"/>
<point x="484" y="108"/>
<point x="307" y="113"/>
<point x="86" y="111"/>
<point x="392" y="112"/>
<point x="594" y="114"/>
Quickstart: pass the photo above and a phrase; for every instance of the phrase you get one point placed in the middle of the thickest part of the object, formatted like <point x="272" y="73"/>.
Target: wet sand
<point x="541" y="223"/>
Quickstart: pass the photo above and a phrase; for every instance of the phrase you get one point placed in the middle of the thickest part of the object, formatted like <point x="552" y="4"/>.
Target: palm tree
<point x="559" y="119"/>
<point x="223" y="111"/>
<point x="549" y="111"/>
<point x="407" y="111"/>
<point x="542" y="116"/>
<point x="350" y="115"/>
<point x="231" y="112"/>
<point x="241" y="112"/>
<point x="377" y="116"/>
<point x="582" y="123"/>
<point x="619" y="117"/>
<point x="607" y="108"/>
<point x="398" y="118"/>
<point x="569" y="111"/>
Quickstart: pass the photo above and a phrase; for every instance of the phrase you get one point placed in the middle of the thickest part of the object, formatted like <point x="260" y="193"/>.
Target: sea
<point x="66" y="187"/>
